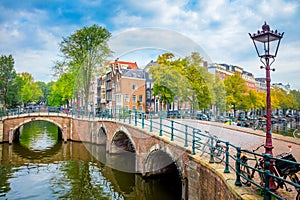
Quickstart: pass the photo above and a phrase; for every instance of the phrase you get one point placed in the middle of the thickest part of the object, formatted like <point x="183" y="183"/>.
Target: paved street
<point x="246" y="138"/>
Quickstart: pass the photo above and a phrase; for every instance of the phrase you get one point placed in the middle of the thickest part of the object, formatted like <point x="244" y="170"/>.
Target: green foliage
<point x="83" y="52"/>
<point x="61" y="92"/>
<point x="220" y="94"/>
<point x="30" y="90"/>
<point x="236" y="89"/>
<point x="9" y="87"/>
<point x="184" y="78"/>
<point x="200" y="82"/>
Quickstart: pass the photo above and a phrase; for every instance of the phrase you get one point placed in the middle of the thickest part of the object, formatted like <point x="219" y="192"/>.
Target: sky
<point x="31" y="31"/>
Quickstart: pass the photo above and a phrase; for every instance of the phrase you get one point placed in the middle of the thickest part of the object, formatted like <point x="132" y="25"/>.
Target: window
<point x="140" y="98"/>
<point x="134" y="87"/>
<point x="148" y="94"/>
<point x="126" y="98"/>
<point x="140" y="108"/>
<point x="118" y="87"/>
<point x="133" y="98"/>
<point x="118" y="98"/>
<point x="133" y="108"/>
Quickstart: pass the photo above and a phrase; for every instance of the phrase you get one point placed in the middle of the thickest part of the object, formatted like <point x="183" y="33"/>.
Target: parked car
<point x="201" y="116"/>
<point x="173" y="114"/>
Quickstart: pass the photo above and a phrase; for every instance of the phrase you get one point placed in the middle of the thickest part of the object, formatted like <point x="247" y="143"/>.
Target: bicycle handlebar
<point x="258" y="147"/>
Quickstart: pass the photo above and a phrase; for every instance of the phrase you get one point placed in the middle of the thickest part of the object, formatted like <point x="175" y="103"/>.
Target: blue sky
<point x="218" y="29"/>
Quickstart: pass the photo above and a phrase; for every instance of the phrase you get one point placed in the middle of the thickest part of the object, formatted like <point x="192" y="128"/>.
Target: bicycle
<point x="281" y="169"/>
<point x="296" y="134"/>
<point x="285" y="169"/>
<point x="246" y="174"/>
<point x="259" y="125"/>
<point x="217" y="150"/>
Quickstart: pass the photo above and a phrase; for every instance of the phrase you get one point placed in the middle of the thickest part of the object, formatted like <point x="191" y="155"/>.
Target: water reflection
<point x="69" y="171"/>
<point x="38" y="135"/>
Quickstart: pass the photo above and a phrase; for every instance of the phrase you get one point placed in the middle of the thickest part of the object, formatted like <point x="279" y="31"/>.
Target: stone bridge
<point x="150" y="153"/>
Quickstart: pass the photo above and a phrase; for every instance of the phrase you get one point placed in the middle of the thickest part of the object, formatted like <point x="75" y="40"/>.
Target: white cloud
<point x="219" y="27"/>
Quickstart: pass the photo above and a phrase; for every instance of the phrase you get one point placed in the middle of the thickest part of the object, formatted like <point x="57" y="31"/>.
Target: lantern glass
<point x="266" y="48"/>
<point x="266" y="41"/>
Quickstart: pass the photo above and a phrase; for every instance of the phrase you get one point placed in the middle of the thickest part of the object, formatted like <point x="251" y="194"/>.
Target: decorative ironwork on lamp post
<point x="266" y="43"/>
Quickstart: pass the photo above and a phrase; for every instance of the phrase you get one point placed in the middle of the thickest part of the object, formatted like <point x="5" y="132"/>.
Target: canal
<point x="38" y="165"/>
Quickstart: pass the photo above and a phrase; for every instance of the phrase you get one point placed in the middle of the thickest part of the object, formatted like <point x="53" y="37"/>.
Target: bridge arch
<point x="102" y="135"/>
<point x="160" y="160"/>
<point x="15" y="130"/>
<point x="160" y="163"/>
<point x="122" y="142"/>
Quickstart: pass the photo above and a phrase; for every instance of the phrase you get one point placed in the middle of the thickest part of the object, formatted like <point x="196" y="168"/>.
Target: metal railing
<point x="195" y="141"/>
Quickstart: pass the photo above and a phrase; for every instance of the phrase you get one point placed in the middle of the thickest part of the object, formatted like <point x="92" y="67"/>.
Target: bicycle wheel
<point x="204" y="149"/>
<point x="296" y="133"/>
<point x="245" y="175"/>
<point x="219" y="154"/>
<point x="294" y="178"/>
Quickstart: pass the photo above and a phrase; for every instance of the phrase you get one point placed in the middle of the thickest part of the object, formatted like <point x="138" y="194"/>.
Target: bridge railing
<point x="197" y="142"/>
<point x="220" y="151"/>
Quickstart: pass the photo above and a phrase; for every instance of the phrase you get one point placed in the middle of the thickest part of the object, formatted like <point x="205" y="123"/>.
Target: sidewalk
<point x="280" y="142"/>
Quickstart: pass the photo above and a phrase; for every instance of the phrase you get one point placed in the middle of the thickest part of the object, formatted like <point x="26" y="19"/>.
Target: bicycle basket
<point x="286" y="168"/>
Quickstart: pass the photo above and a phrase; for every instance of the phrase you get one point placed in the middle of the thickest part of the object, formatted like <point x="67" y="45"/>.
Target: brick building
<point x="122" y="88"/>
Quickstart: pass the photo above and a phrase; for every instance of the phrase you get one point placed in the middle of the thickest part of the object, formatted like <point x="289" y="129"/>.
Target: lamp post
<point x="266" y="43"/>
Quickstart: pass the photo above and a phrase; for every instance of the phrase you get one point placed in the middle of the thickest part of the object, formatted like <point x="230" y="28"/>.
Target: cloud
<point x="219" y="27"/>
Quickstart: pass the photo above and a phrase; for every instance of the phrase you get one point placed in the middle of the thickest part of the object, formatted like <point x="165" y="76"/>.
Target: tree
<point x="61" y="93"/>
<point x="185" y="78"/>
<point x="82" y="52"/>
<point x="9" y="87"/>
<point x="30" y="90"/>
<point x="167" y="81"/>
<point x="220" y="94"/>
<point x="43" y="88"/>
<point x="200" y="81"/>
<point x="236" y="88"/>
<point x="296" y="95"/>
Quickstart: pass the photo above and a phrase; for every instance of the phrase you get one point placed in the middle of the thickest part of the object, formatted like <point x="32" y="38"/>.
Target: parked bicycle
<point x="259" y="125"/>
<point x="285" y="169"/>
<point x="217" y="150"/>
<point x="281" y="169"/>
<point x="296" y="133"/>
<point x="247" y="173"/>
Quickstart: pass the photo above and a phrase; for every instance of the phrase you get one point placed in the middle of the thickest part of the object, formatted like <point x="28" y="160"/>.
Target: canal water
<point x="40" y="166"/>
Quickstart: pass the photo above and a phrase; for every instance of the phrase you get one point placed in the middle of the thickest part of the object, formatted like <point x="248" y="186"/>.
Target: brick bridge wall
<point x="199" y="181"/>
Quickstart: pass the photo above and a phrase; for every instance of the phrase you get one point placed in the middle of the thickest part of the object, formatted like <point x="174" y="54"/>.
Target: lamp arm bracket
<point x="264" y="61"/>
<point x="273" y="60"/>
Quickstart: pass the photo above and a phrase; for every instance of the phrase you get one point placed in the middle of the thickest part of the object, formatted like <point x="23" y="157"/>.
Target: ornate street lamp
<point x="266" y="43"/>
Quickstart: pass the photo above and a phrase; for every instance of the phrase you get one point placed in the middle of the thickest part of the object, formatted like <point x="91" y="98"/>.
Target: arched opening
<point x="121" y="143"/>
<point x="102" y="137"/>
<point x="38" y="135"/>
<point x="122" y="155"/>
<point x="162" y="176"/>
